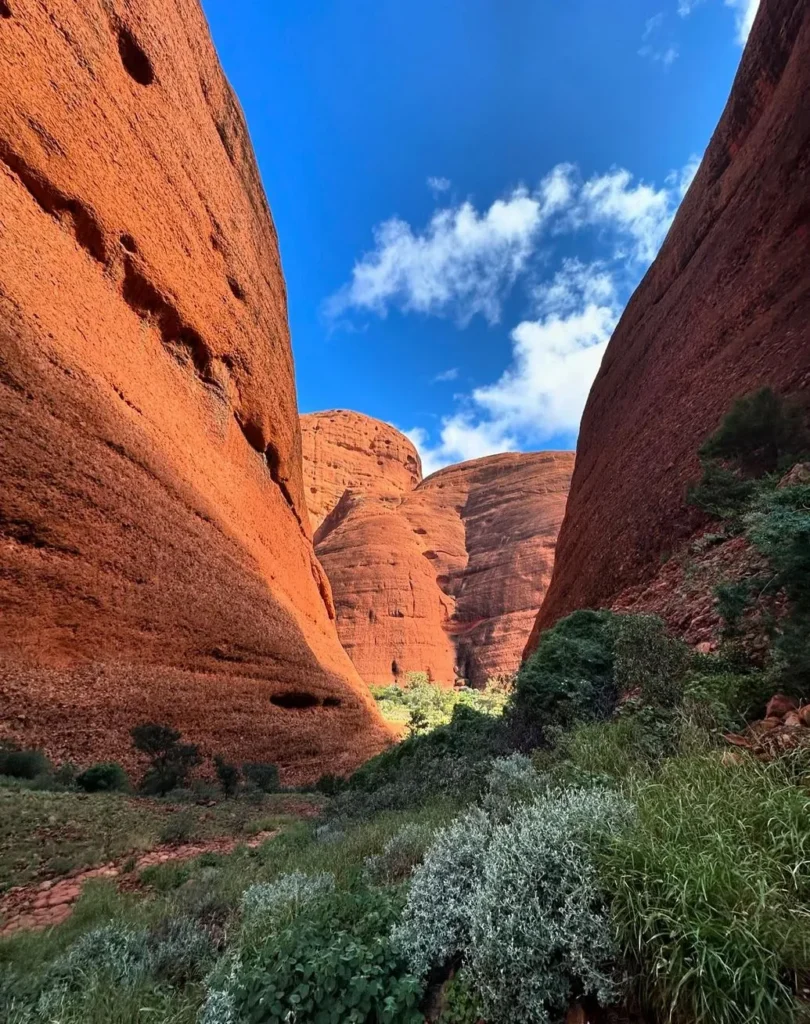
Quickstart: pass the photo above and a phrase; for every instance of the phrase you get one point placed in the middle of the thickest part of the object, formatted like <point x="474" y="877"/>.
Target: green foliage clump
<point x="649" y="662"/>
<point x="262" y="777"/>
<point x="569" y="679"/>
<point x="279" y="901"/>
<point x="22" y="764"/>
<point x="710" y="891"/>
<point x="228" y="775"/>
<point x="400" y="855"/>
<point x="333" y="961"/>
<point x="452" y="760"/>
<point x="518" y="902"/>
<point x="422" y="705"/>
<point x="179" y="827"/>
<point x="103" y="778"/>
<point x="461" y="1002"/>
<point x="171" y="760"/>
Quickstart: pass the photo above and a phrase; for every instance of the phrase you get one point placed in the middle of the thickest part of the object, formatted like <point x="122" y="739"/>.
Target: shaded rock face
<point x="444" y="578"/>
<point x="344" y="450"/>
<point x="724" y="310"/>
<point x="155" y="548"/>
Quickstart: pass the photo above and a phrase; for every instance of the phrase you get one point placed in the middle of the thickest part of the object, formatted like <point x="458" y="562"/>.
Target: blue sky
<point x="466" y="192"/>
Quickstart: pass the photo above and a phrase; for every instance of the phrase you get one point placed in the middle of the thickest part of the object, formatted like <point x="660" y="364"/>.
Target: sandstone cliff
<point x="724" y="309"/>
<point x="443" y="577"/>
<point x="347" y="451"/>
<point x="155" y="547"/>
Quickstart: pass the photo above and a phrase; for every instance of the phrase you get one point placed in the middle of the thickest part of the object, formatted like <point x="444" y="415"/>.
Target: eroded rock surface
<point x="345" y="451"/>
<point x="155" y="547"/>
<point x="446" y="577"/>
<point x="724" y="310"/>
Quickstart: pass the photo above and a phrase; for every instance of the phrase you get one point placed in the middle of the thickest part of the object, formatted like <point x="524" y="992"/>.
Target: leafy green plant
<point x="171" y="760"/>
<point x="228" y="775"/>
<point x="649" y="662"/>
<point x="22" y="764"/>
<point x="569" y="679"/>
<point x="179" y="827"/>
<point x="263" y="777"/>
<point x="103" y="778"/>
<point x="710" y="891"/>
<point x="332" y="962"/>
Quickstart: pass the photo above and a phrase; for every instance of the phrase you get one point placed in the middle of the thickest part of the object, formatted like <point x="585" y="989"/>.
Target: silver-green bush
<point x="519" y="902"/>
<point x="284" y="896"/>
<point x="400" y="855"/>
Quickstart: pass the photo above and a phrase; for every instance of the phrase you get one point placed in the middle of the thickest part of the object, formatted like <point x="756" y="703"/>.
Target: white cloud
<point x="555" y="357"/>
<point x="463" y="263"/>
<point x="745" y="11"/>
<point x="661" y="52"/>
<point x="438" y="184"/>
<point x="446" y="375"/>
<point x="460" y="265"/>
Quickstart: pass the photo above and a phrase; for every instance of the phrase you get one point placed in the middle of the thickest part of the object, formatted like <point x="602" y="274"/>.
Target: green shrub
<point x="263" y="777"/>
<point x="649" y="662"/>
<point x="461" y="1002"/>
<point x="332" y="962"/>
<point x="520" y="904"/>
<point x="171" y="760"/>
<point x="228" y="775"/>
<point x="452" y="760"/>
<point x="423" y="705"/>
<point x="762" y="433"/>
<point x="330" y="785"/>
<point x="400" y="855"/>
<point x="179" y="827"/>
<point x="569" y="679"/>
<point x="512" y="780"/>
<point x="710" y="891"/>
<point x="106" y="777"/>
<point x="23" y="764"/>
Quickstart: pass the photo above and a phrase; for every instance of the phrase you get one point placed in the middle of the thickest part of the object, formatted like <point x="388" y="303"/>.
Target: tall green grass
<point x="711" y="891"/>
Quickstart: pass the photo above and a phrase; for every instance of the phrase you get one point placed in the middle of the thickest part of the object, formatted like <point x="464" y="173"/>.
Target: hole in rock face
<point x="237" y="290"/>
<point x="135" y="61"/>
<point x="420" y="531"/>
<point x="331" y="702"/>
<point x="295" y="699"/>
<point x="430" y="555"/>
<point x="128" y="242"/>
<point x="395" y="667"/>
<point x="371" y="616"/>
<point x="5" y="10"/>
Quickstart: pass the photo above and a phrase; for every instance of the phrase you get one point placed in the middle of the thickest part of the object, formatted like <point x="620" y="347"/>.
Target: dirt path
<point x="34" y="907"/>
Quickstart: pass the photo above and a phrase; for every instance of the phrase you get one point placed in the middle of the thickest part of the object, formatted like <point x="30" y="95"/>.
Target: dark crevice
<point x="5" y="10"/>
<point x="184" y="343"/>
<point x="83" y="224"/>
<point x="136" y="63"/>
<point x="237" y="290"/>
<point x="31" y="535"/>
<point x="255" y="437"/>
<point x="129" y="243"/>
<point x="295" y="699"/>
<point x="222" y="131"/>
<point x="332" y="702"/>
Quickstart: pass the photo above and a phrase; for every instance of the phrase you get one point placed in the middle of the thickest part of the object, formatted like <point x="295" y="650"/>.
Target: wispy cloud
<point x="437" y="185"/>
<point x="744" y="13"/>
<point x="446" y="375"/>
<point x="556" y="355"/>
<point x="655" y="45"/>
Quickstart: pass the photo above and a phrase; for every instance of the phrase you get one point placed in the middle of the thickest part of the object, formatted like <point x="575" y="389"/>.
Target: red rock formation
<point x="724" y="309"/>
<point x="445" y="578"/>
<point x="345" y="451"/>
<point x="154" y="542"/>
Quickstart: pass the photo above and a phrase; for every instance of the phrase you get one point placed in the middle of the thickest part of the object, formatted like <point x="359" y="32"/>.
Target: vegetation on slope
<point x="596" y="843"/>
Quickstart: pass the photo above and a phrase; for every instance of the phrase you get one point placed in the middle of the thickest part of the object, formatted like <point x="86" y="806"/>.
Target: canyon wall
<point x="155" y="547"/>
<point x="442" y="576"/>
<point x="724" y="310"/>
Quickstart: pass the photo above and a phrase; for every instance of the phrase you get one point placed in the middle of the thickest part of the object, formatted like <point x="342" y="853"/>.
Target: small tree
<point x="103" y="778"/>
<point x="171" y="760"/>
<point x="228" y="775"/>
<point x="261" y="776"/>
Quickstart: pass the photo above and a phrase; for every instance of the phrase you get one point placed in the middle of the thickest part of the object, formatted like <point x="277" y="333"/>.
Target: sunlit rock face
<point x="155" y="547"/>
<point x="442" y="576"/>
